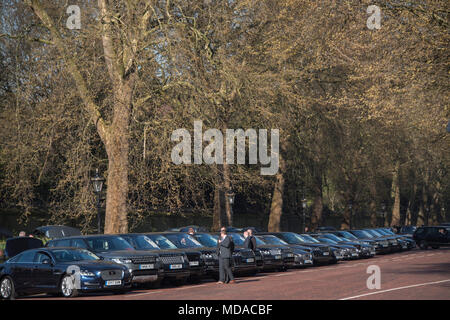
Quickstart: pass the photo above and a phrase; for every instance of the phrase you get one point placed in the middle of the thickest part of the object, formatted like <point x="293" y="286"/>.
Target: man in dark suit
<point x="250" y="241"/>
<point x="225" y="248"/>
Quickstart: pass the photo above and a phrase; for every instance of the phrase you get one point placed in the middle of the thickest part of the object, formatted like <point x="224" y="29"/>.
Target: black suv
<point x="144" y="267"/>
<point x="244" y="260"/>
<point x="434" y="237"/>
<point x="176" y="241"/>
<point x="175" y="262"/>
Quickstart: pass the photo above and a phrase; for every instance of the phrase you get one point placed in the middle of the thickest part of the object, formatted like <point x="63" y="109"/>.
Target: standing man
<point x="225" y="248"/>
<point x="250" y="241"/>
<point x="191" y="232"/>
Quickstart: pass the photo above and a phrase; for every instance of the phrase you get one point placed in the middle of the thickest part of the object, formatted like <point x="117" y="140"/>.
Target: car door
<point x="44" y="273"/>
<point x="22" y="271"/>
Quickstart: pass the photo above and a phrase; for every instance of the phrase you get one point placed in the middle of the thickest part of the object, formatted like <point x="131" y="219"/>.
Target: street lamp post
<point x="350" y="206"/>
<point x="383" y="208"/>
<point x="97" y="184"/>
<point x="230" y="198"/>
<point x="304" y="205"/>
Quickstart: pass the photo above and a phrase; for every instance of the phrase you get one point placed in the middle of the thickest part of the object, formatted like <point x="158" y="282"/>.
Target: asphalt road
<point x="414" y="274"/>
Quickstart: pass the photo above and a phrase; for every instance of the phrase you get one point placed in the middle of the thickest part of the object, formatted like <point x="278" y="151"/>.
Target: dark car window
<point x="40" y="256"/>
<point x="64" y="243"/>
<point x="272" y="240"/>
<point x="78" y="243"/>
<point x="67" y="255"/>
<point x="108" y="244"/>
<point x="162" y="241"/>
<point x="183" y="241"/>
<point x="206" y="239"/>
<point x="26" y="257"/>
<point x="142" y="242"/>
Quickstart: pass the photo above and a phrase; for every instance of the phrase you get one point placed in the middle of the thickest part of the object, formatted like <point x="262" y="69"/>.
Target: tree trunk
<point x="373" y="205"/>
<point x="316" y="218"/>
<point x="346" y="219"/>
<point x="227" y="187"/>
<point x="395" y="221"/>
<point x="276" y="208"/>
<point x="217" y="213"/>
<point x="117" y="147"/>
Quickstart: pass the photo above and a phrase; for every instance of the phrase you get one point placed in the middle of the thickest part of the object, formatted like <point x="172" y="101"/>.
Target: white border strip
<point x="394" y="289"/>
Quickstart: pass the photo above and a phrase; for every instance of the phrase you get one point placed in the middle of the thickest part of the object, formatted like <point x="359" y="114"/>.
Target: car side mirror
<point x="102" y="258"/>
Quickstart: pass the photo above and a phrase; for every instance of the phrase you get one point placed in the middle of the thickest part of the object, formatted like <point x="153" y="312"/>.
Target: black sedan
<point x="244" y="260"/>
<point x="66" y="271"/>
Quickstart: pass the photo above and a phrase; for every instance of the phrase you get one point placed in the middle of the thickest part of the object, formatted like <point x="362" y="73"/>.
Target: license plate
<point x="372" y="252"/>
<point x="385" y="245"/>
<point x="290" y="255"/>
<point x="354" y="254"/>
<point x="146" y="266"/>
<point x="193" y="263"/>
<point x="113" y="282"/>
<point x="176" y="266"/>
<point x="308" y="261"/>
<point x="250" y="260"/>
<point x="277" y="257"/>
<point x="326" y="253"/>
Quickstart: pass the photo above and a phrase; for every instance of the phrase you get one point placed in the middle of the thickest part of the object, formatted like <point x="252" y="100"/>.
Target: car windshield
<point x="161" y="241"/>
<point x="237" y="239"/>
<point x="67" y="255"/>
<point x="361" y="234"/>
<point x="182" y="240"/>
<point x="383" y="232"/>
<point x="373" y="233"/>
<point x="99" y="244"/>
<point x="348" y="235"/>
<point x="327" y="240"/>
<point x="292" y="238"/>
<point x="333" y="237"/>
<point x="142" y="242"/>
<point x="272" y="240"/>
<point x="206" y="239"/>
<point x="308" y="238"/>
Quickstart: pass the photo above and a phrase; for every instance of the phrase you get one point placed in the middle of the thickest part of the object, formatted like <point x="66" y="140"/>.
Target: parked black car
<point x="302" y="257"/>
<point x="406" y="241"/>
<point x="381" y="245"/>
<point x="145" y="268"/>
<point x="395" y="243"/>
<point x="244" y="260"/>
<point x="347" y="251"/>
<point x="365" y="250"/>
<point x="190" y="246"/>
<point x="66" y="271"/>
<point x="322" y="254"/>
<point x="272" y="255"/>
<point x="435" y="237"/>
<point x="175" y="261"/>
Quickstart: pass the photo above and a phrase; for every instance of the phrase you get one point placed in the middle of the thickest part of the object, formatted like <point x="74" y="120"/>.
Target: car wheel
<point x="7" y="289"/>
<point x="179" y="282"/>
<point x="423" y="245"/>
<point x="67" y="287"/>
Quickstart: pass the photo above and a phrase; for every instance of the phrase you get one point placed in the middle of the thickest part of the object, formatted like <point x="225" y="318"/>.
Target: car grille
<point x="317" y="253"/>
<point x="247" y="254"/>
<point x="143" y="259"/>
<point x="171" y="259"/>
<point x="143" y="272"/>
<point x="111" y="274"/>
<point x="193" y="257"/>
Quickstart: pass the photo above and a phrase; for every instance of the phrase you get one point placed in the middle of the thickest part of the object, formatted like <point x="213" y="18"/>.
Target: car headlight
<point x="87" y="273"/>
